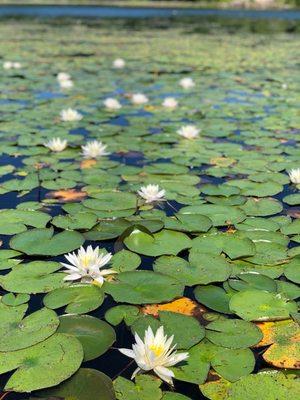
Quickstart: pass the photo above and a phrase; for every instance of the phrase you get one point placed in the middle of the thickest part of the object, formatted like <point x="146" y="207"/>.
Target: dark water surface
<point x="140" y="12"/>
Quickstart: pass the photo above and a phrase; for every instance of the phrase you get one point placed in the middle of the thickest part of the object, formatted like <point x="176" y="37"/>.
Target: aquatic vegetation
<point x="118" y="232"/>
<point x="56" y="144"/>
<point x="155" y="353"/>
<point x="119" y="63"/>
<point x="170" y="102"/>
<point x="152" y="193"/>
<point x="294" y="175"/>
<point x="12" y="65"/>
<point x="188" y="131"/>
<point x="139" y="98"/>
<point x="70" y="115"/>
<point x="64" y="80"/>
<point x="94" y="149"/>
<point x="187" y="83"/>
<point x="86" y="265"/>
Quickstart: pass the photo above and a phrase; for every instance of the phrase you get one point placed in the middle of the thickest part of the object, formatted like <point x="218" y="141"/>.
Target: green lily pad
<point x="233" y="364"/>
<point x="184" y="272"/>
<point x="44" y="242"/>
<point x="234" y="245"/>
<point x="85" y="384"/>
<point x="174" y="324"/>
<point x="233" y="333"/>
<point x="267" y="385"/>
<point x="252" y="280"/>
<point x="15" y="221"/>
<point x="33" y="277"/>
<point x="219" y="215"/>
<point x="15" y="300"/>
<point x="213" y="297"/>
<point x="262" y="207"/>
<point x="83" y="220"/>
<point x="188" y="223"/>
<point x="95" y="336"/>
<point x="117" y="314"/>
<point x="21" y="333"/>
<point x="142" y="287"/>
<point x="292" y="199"/>
<point x="196" y="367"/>
<point x="43" y="365"/>
<point x="109" y="201"/>
<point x="258" y="305"/>
<point x="210" y="268"/>
<point x="292" y="270"/>
<point x="146" y="387"/>
<point x="174" y="396"/>
<point x="163" y="242"/>
<point x="78" y="298"/>
<point x="125" y="260"/>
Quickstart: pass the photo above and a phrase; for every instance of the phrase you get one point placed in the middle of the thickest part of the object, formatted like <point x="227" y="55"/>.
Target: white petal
<point x="72" y="277"/>
<point x="135" y="372"/>
<point x="128" y="352"/>
<point x="165" y="374"/>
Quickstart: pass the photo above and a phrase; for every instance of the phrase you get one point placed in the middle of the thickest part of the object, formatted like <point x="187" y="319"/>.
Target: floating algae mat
<point x="149" y="188"/>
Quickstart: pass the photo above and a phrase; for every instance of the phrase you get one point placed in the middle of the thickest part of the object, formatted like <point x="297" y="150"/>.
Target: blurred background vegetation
<point x="255" y="4"/>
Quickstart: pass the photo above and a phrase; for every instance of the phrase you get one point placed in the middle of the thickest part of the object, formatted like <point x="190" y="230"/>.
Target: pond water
<point x="216" y="262"/>
<point x="140" y="12"/>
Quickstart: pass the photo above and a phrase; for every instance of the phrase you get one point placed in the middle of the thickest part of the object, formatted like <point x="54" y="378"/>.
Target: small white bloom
<point x="188" y="131"/>
<point x="155" y="353"/>
<point x="295" y="175"/>
<point x="152" y="193"/>
<point x="139" y="98"/>
<point x="86" y="265"/>
<point x="11" y="65"/>
<point x="66" y="84"/>
<point x="94" y="149"/>
<point x="170" y="102"/>
<point x="70" y="115"/>
<point x="64" y="80"/>
<point x="63" y="76"/>
<point x="119" y="63"/>
<point x="56" y="144"/>
<point x="284" y="86"/>
<point x="187" y="83"/>
<point x="112" y="104"/>
<point x="7" y="65"/>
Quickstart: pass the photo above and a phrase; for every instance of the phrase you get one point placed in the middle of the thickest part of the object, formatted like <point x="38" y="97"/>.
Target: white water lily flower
<point x="112" y="104"/>
<point x="86" y="265"/>
<point x="7" y="65"/>
<point x="67" y="84"/>
<point x="187" y="83"/>
<point x="170" y="102"/>
<point x="139" y="98"/>
<point x="56" y="144"/>
<point x="189" y="131"/>
<point x="17" y="65"/>
<point x="94" y="149"/>
<point x="11" y="65"/>
<point x="155" y="353"/>
<point x="70" y="115"/>
<point x="63" y="76"/>
<point x="119" y="63"/>
<point x="152" y="193"/>
<point x="294" y="175"/>
<point x="64" y="80"/>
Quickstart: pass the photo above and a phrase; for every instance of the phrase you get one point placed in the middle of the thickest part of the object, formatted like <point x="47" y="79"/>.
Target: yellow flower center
<point x="85" y="261"/>
<point x="157" y="350"/>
